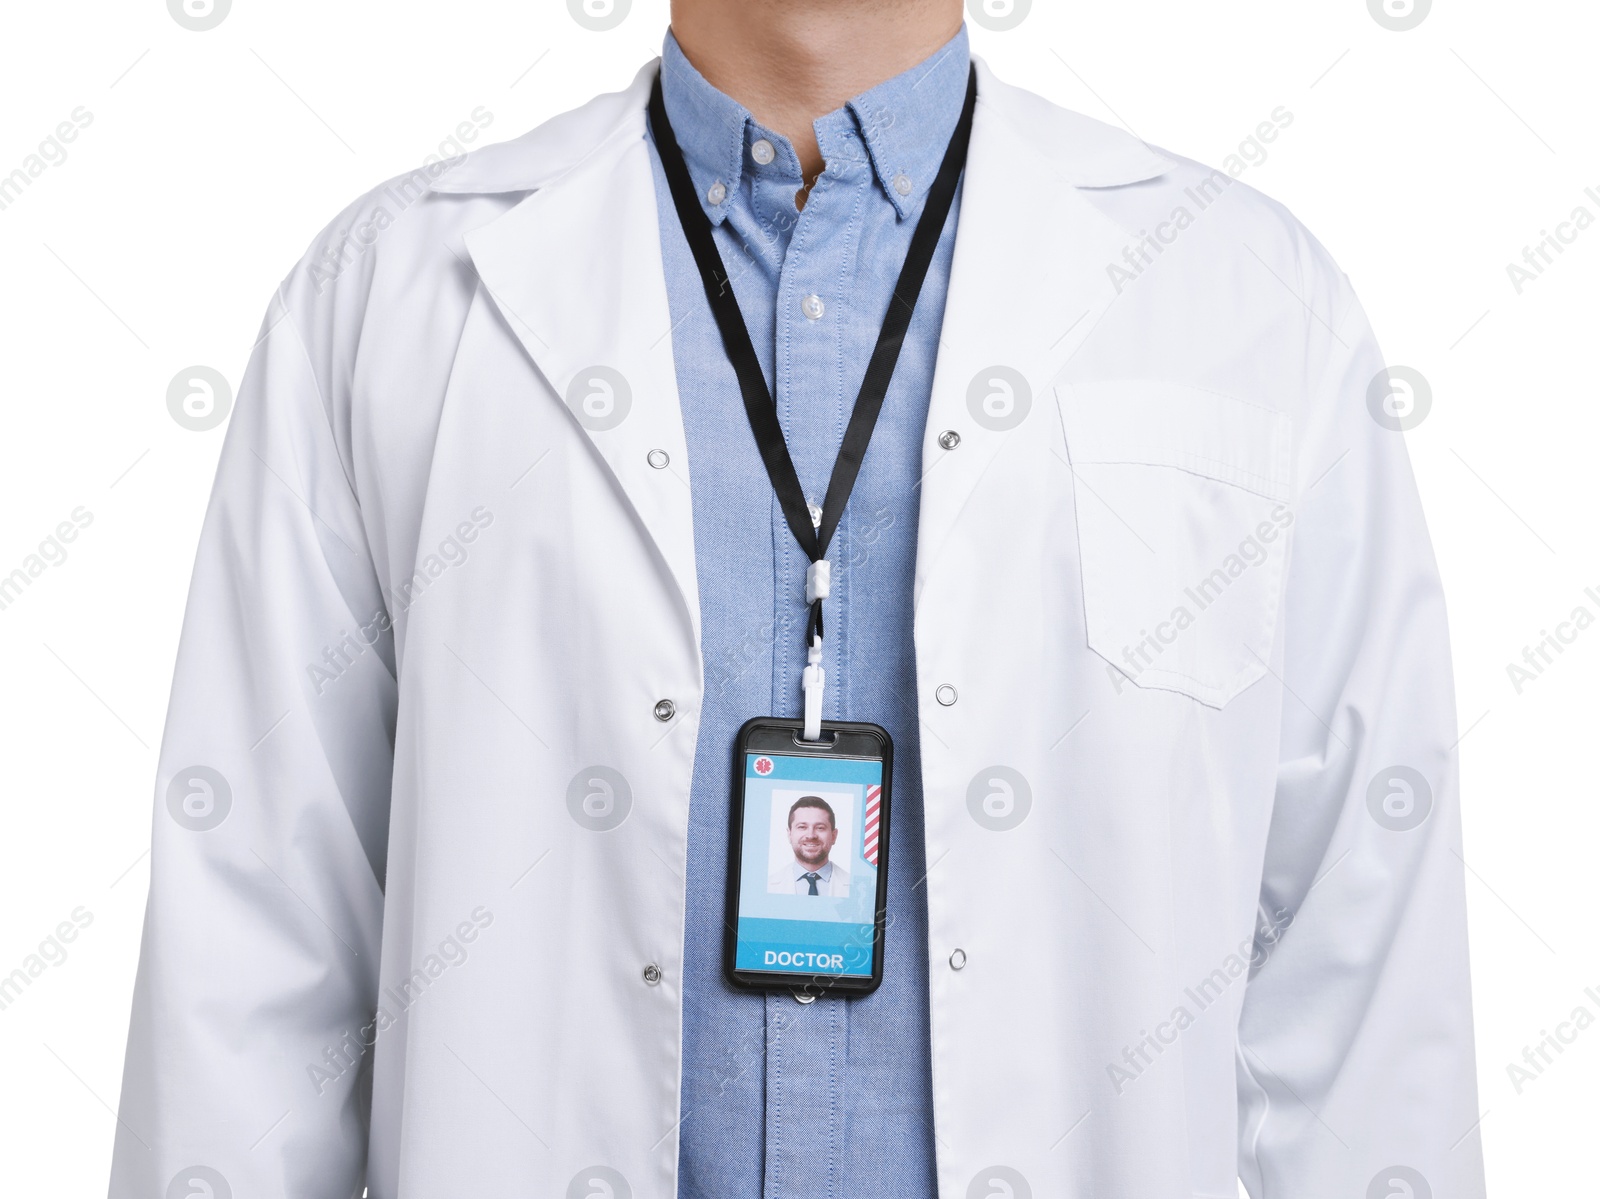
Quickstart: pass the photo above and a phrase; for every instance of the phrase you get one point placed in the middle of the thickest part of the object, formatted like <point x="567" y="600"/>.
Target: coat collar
<point x="575" y="269"/>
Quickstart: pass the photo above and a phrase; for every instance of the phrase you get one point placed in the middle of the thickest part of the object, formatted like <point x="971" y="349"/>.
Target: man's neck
<point x="789" y="62"/>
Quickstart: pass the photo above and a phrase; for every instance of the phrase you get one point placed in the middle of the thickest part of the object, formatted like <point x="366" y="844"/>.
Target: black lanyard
<point x="758" y="401"/>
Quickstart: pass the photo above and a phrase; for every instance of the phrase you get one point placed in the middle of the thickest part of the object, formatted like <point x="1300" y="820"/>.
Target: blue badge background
<point x="802" y="922"/>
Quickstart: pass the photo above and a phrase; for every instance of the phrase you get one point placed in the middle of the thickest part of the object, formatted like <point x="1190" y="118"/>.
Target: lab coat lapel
<point x="576" y="271"/>
<point x="1028" y="284"/>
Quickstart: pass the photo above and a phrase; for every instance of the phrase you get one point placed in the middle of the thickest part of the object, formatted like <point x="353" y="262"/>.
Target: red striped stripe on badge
<point x="869" y="827"/>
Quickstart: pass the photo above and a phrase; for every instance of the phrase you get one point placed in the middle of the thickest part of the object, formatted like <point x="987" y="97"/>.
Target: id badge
<point x="808" y="858"/>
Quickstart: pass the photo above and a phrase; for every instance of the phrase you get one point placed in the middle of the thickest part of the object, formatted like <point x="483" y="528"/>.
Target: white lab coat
<point x="408" y="833"/>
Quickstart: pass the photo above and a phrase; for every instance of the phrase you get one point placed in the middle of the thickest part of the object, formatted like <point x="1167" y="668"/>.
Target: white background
<point x="1425" y="160"/>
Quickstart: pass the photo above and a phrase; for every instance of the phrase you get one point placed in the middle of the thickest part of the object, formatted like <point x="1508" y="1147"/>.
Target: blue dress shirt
<point x="834" y="1098"/>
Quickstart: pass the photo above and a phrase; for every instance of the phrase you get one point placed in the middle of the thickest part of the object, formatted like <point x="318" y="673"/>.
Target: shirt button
<point x="958" y="959"/>
<point x="813" y="308"/>
<point x="665" y="710"/>
<point x="762" y="151"/>
<point x="652" y="974"/>
<point x="658" y="459"/>
<point x="816" y="515"/>
<point x="902" y="184"/>
<point x="717" y="194"/>
<point x="949" y="439"/>
<point x="945" y="694"/>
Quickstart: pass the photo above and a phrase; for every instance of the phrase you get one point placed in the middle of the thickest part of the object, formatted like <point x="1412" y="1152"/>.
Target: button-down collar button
<point x="813" y="307"/>
<point x="945" y="694"/>
<point x="949" y="439"/>
<point x="665" y="710"/>
<point x="717" y="194"/>
<point x="902" y="184"/>
<point x="958" y="959"/>
<point x="761" y="150"/>
<point x="658" y="459"/>
<point x="652" y="974"/>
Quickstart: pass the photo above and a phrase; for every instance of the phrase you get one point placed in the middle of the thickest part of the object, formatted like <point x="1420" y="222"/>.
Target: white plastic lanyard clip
<point x="819" y="580"/>
<point x="812" y="681"/>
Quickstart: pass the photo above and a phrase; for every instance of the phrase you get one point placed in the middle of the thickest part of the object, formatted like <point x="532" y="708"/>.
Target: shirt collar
<point x="904" y="122"/>
<point x="825" y="871"/>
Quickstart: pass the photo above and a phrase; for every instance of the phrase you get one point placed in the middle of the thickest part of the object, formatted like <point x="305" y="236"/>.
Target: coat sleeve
<point x="248" y="1068"/>
<point x="1355" y="1053"/>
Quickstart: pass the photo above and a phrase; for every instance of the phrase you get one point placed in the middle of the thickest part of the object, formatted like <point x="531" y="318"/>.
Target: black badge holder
<point x="841" y="740"/>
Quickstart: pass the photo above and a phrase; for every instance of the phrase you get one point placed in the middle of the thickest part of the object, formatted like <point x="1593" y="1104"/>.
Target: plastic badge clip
<point x="812" y="681"/>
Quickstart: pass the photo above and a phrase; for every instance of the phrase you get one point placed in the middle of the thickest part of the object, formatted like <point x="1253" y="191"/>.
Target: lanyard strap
<point x="758" y="402"/>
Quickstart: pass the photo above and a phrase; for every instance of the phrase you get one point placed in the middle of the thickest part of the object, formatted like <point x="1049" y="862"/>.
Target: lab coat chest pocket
<point x="1182" y="498"/>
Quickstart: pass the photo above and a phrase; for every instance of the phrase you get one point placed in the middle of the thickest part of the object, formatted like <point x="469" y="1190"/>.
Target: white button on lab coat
<point x="1193" y="823"/>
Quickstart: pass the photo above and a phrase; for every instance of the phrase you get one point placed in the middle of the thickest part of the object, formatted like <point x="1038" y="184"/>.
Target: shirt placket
<point x="806" y="1041"/>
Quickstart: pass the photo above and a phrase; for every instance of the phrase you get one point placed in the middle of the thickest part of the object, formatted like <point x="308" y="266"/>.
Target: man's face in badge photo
<point x="812" y="831"/>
